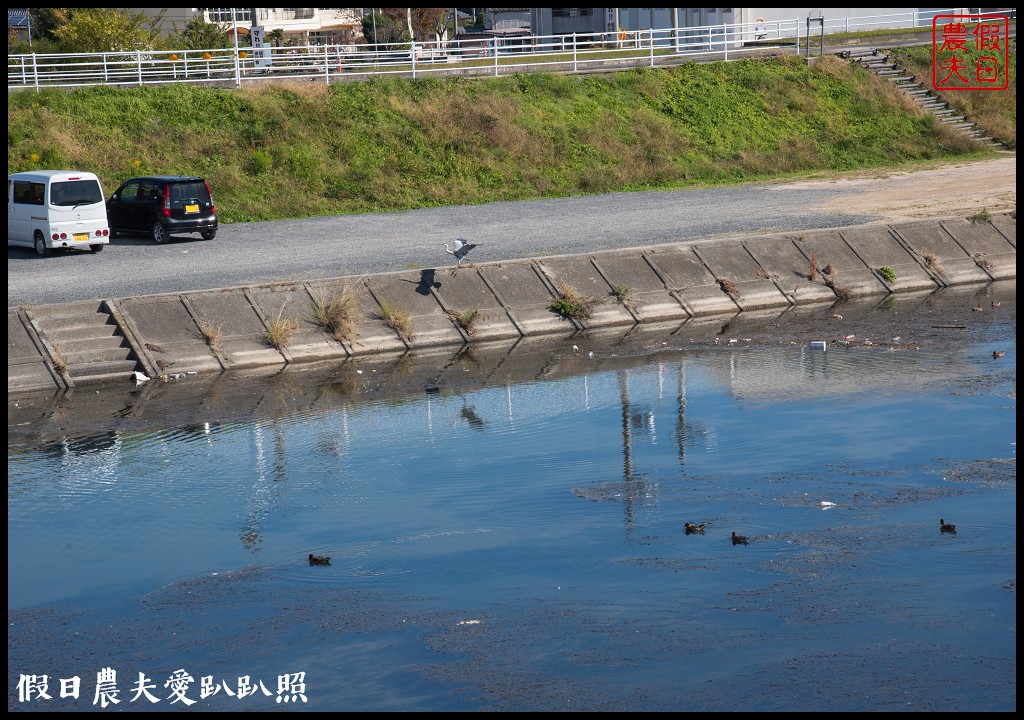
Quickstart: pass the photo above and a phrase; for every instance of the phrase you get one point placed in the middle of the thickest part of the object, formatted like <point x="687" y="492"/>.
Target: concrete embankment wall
<point x="64" y="346"/>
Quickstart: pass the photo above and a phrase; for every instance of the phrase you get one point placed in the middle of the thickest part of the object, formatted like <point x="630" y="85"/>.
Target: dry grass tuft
<point x="59" y="362"/>
<point x="396" y="319"/>
<point x="932" y="261"/>
<point x="337" y="313"/>
<point x="812" y="273"/>
<point x="279" y="330"/>
<point x="210" y="332"/>
<point x="729" y="288"/>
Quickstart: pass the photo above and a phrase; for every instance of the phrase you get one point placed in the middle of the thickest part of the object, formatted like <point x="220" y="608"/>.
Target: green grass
<point x="304" y="149"/>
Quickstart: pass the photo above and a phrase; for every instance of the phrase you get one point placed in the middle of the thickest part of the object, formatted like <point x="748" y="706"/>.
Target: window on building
<point x="571" y="12"/>
<point x="223" y="15"/>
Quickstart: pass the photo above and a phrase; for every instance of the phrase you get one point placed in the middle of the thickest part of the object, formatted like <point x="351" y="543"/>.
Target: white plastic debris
<point x="469" y="622"/>
<point x="818" y="345"/>
<point x="140" y="377"/>
<point x="827" y="504"/>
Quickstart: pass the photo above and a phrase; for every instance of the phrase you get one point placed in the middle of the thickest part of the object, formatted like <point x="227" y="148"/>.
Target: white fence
<point x="493" y="56"/>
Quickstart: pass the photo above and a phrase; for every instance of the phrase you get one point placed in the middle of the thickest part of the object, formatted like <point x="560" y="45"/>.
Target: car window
<point x="29" y="193"/>
<point x="188" y="191"/>
<point x="149" y="190"/>
<point x="75" y="192"/>
<point x="129" y="191"/>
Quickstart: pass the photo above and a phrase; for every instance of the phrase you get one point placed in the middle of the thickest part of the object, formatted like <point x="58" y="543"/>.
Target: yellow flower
<point x="137" y="163"/>
<point x="35" y="157"/>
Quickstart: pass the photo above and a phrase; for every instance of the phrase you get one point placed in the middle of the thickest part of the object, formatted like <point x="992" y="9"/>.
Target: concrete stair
<point x="884" y="66"/>
<point x="84" y="342"/>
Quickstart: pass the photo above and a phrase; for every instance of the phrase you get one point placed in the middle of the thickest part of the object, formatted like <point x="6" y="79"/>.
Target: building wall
<point x="299" y="24"/>
<point x="544" y="21"/>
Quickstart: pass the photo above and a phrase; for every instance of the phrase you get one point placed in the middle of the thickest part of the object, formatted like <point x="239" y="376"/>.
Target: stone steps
<point x="84" y="342"/>
<point x="884" y="67"/>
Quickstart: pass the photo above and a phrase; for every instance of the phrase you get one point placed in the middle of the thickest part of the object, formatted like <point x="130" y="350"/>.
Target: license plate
<point x="191" y="208"/>
<point x="81" y="237"/>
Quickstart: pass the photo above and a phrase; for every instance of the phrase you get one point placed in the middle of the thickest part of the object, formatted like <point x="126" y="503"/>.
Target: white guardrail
<point x="490" y="56"/>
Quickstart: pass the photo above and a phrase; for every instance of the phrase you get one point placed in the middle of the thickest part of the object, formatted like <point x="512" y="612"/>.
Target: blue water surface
<point x="548" y="515"/>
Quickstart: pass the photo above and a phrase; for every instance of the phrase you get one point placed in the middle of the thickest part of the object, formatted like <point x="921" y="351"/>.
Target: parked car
<point x="163" y="205"/>
<point x="50" y="209"/>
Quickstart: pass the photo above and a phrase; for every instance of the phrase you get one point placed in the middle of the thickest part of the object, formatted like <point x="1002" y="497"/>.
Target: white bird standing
<point x="462" y="249"/>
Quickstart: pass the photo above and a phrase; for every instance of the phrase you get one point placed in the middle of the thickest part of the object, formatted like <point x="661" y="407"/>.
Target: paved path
<point x="248" y="253"/>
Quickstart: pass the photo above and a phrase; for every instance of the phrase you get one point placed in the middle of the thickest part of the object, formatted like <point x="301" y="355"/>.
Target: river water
<point x="505" y="529"/>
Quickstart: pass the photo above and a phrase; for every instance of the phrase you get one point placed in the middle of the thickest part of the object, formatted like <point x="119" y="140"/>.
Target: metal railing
<point x="493" y="56"/>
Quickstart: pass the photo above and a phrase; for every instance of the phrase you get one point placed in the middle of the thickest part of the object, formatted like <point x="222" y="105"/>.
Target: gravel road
<point x="260" y="252"/>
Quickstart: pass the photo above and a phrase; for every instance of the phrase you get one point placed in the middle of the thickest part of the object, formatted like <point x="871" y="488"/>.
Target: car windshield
<point x="75" y="192"/>
<point x="188" y="190"/>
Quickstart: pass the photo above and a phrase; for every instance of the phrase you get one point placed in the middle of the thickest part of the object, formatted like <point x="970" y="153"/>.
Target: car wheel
<point x="159" y="232"/>
<point x="40" y="243"/>
<point x="96" y="248"/>
<point x="209" y="234"/>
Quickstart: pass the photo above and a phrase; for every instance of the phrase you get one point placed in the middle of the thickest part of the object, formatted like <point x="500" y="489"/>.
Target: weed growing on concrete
<point x="983" y="261"/>
<point x="396" y="319"/>
<point x="279" y="330"/>
<point x="465" y="320"/>
<point x="729" y="288"/>
<point x="830" y="274"/>
<point x="762" y="274"/>
<point x="932" y="261"/>
<point x="337" y="313"/>
<point x="210" y="333"/>
<point x="572" y="304"/>
<point x="980" y="217"/>
<point x="59" y="363"/>
<point x="624" y="295"/>
<point x="887" y="274"/>
<point x="812" y="274"/>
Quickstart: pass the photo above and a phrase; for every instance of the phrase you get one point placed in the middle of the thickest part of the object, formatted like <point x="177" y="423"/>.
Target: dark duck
<point x="739" y="539"/>
<point x="691" y="528"/>
<point x="946" y="527"/>
<point x="319" y="559"/>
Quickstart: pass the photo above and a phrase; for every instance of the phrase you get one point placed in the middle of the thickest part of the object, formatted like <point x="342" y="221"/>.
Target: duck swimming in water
<point x="691" y="528"/>
<point x="738" y="539"/>
<point x="319" y="559"/>
<point x="946" y="528"/>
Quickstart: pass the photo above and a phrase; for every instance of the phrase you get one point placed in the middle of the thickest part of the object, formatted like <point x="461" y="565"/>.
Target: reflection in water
<point x="469" y="414"/>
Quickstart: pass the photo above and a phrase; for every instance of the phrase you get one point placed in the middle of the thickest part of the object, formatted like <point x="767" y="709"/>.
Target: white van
<point x="49" y="209"/>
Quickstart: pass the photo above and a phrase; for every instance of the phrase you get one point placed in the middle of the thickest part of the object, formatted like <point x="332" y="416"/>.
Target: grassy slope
<point x="300" y="150"/>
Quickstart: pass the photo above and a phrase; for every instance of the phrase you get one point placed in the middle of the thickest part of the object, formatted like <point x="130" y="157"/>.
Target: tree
<point x="380" y="28"/>
<point x="430" y="23"/>
<point x="277" y="37"/>
<point x="90" y="30"/>
<point x="46" y="20"/>
<point x="201" y="35"/>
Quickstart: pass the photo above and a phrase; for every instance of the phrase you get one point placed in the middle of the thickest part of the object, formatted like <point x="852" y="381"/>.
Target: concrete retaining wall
<point x="211" y="331"/>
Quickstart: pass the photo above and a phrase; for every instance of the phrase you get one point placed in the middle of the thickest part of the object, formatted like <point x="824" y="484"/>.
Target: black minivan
<point x="161" y="206"/>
